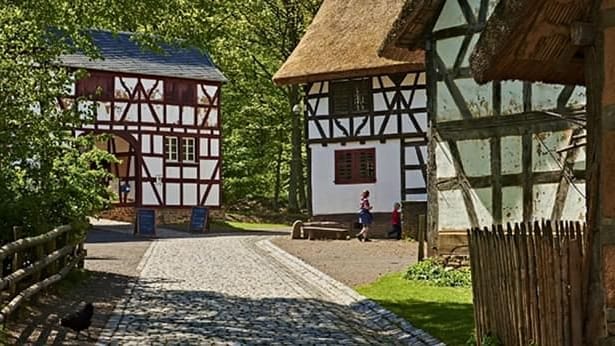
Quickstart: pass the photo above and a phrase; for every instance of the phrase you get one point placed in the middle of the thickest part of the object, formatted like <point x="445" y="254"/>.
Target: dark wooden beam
<point x="496" y="179"/>
<point x="526" y="176"/>
<point x="510" y="125"/>
<point x="464" y="184"/>
<point x="508" y="180"/>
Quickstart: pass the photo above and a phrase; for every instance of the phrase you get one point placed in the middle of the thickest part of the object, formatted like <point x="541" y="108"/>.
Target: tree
<point x="254" y="38"/>
<point x="47" y="176"/>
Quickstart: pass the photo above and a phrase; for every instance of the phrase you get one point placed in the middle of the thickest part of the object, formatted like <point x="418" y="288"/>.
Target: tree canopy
<point x="48" y="177"/>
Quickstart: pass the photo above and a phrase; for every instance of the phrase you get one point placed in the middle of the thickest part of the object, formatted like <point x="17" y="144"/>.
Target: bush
<point x="433" y="272"/>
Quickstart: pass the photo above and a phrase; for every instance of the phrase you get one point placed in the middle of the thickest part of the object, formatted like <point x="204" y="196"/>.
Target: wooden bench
<point x="320" y="230"/>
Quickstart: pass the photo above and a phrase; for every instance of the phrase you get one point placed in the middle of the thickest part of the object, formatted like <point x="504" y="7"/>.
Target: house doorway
<point x="125" y="179"/>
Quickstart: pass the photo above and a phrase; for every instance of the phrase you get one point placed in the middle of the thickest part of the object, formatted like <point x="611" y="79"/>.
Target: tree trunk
<point x="295" y="163"/>
<point x="278" y="178"/>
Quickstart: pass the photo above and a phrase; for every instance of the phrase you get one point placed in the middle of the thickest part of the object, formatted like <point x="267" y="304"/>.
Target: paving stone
<point x="241" y="290"/>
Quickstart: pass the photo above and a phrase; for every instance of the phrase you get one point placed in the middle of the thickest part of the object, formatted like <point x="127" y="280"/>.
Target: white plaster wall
<point x="329" y="198"/>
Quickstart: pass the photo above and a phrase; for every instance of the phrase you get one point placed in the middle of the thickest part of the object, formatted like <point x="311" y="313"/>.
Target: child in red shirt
<point x="395" y="231"/>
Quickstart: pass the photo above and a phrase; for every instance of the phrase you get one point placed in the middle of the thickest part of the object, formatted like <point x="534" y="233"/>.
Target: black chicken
<point x="79" y="320"/>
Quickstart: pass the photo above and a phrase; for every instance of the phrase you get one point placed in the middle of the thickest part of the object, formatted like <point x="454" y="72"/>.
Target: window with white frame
<point x="171" y="150"/>
<point x="188" y="149"/>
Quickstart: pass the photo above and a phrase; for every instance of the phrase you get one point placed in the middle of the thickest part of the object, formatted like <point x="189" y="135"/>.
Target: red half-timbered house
<point x="161" y="111"/>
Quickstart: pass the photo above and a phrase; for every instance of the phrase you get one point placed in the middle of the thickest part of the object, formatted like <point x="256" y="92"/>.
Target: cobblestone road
<point x="243" y="290"/>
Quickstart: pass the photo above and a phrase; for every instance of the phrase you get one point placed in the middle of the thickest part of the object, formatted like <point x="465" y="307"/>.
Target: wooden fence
<point x="31" y="264"/>
<point x="528" y="282"/>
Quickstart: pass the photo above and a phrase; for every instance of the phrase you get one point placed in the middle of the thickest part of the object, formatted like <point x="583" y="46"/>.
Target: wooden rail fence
<point x="527" y="282"/>
<point x="31" y="264"/>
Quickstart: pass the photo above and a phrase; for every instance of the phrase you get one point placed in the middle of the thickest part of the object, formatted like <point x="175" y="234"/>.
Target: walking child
<point x="365" y="216"/>
<point x="395" y="231"/>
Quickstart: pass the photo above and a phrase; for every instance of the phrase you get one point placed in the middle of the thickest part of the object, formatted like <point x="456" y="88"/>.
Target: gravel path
<point x="244" y="290"/>
<point x="350" y="261"/>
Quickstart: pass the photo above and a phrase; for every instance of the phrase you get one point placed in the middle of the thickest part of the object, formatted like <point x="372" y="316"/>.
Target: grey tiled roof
<point x="121" y="54"/>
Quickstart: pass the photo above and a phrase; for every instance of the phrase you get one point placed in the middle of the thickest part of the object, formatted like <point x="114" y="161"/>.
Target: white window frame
<point x="171" y="148"/>
<point x="188" y="155"/>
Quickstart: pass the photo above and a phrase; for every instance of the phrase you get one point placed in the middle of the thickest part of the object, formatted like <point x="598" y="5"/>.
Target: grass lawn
<point x="444" y="312"/>
<point x="226" y="226"/>
<point x="246" y="226"/>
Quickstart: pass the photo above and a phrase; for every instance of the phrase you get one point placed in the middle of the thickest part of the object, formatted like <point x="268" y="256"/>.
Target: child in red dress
<point x="395" y="231"/>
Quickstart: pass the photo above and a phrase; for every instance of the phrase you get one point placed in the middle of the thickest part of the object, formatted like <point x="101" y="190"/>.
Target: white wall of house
<point x="331" y="198"/>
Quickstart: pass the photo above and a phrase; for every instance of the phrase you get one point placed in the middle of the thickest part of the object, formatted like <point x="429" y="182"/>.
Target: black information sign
<point x="146" y="222"/>
<point x="199" y="219"/>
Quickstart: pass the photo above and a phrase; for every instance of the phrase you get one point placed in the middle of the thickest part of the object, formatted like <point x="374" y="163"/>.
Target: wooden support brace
<point x="582" y="34"/>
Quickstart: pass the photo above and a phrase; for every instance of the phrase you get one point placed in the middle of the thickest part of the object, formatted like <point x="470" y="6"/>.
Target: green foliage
<point x="48" y="177"/>
<point x="252" y="40"/>
<point x="433" y="272"/>
<point x="488" y="340"/>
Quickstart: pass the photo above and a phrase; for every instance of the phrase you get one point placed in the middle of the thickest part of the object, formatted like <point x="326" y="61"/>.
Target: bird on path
<point x="79" y="320"/>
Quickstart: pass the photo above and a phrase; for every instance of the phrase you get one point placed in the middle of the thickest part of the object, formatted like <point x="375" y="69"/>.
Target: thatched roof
<point x="410" y="26"/>
<point x="342" y="42"/>
<point x="530" y="40"/>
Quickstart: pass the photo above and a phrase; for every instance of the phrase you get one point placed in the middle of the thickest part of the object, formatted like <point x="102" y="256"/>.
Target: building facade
<point x="505" y="151"/>
<point x="366" y="119"/>
<point x="161" y="115"/>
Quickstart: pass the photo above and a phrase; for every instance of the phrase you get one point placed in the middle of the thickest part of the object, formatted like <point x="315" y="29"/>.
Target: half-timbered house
<point x="569" y="42"/>
<point x="366" y="118"/>
<point x="161" y="112"/>
<point x="501" y="152"/>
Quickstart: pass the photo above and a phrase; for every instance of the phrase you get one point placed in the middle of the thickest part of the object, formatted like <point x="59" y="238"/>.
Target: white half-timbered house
<point x="366" y="118"/>
<point x="161" y="111"/>
<point x="505" y="151"/>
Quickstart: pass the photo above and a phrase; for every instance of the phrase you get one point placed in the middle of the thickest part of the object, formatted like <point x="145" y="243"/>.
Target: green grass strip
<point x="444" y="312"/>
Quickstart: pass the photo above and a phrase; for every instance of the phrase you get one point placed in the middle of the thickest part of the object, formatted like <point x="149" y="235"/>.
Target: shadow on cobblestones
<point x="180" y="316"/>
<point x="119" y="234"/>
<point x="38" y="323"/>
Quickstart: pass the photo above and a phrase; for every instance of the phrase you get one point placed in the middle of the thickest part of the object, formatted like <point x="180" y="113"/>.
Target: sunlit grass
<point x="247" y="226"/>
<point x="444" y="312"/>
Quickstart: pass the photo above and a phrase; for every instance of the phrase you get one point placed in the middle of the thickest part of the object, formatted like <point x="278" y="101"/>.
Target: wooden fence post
<point x="421" y="237"/>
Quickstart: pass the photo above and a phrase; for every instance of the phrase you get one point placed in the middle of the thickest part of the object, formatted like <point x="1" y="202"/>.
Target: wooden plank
<point x="540" y="285"/>
<point x="454" y="183"/>
<point x="550" y="284"/>
<point x="531" y="121"/>
<point x="34" y="289"/>
<point x="465" y="186"/>
<point x="576" y="288"/>
<point x="454" y="90"/>
<point x="432" y="197"/>
<point x="421" y="237"/>
<point x="504" y="304"/>
<point x="496" y="176"/>
<point x="25" y="243"/>
<point x="526" y="159"/>
<point x="19" y="274"/>
<point x="565" y="283"/>
<point x="476" y="273"/>
<point x="517" y="283"/>
<point x="346" y="139"/>
<point x="526" y="307"/>
<point x="557" y="284"/>
<point x="565" y="181"/>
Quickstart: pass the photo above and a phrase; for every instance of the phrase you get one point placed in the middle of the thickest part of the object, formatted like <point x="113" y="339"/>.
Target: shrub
<point x="434" y="272"/>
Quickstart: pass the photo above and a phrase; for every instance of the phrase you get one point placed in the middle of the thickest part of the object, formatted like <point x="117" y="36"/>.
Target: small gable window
<point x="350" y="97"/>
<point x="356" y="166"/>
<point x="179" y="92"/>
<point x="97" y="86"/>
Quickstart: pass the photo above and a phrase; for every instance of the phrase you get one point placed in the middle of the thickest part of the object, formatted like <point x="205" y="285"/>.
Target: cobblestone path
<point x="242" y="290"/>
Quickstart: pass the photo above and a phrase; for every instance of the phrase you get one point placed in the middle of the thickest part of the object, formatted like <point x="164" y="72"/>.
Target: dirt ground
<point x="112" y="260"/>
<point x="350" y="261"/>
